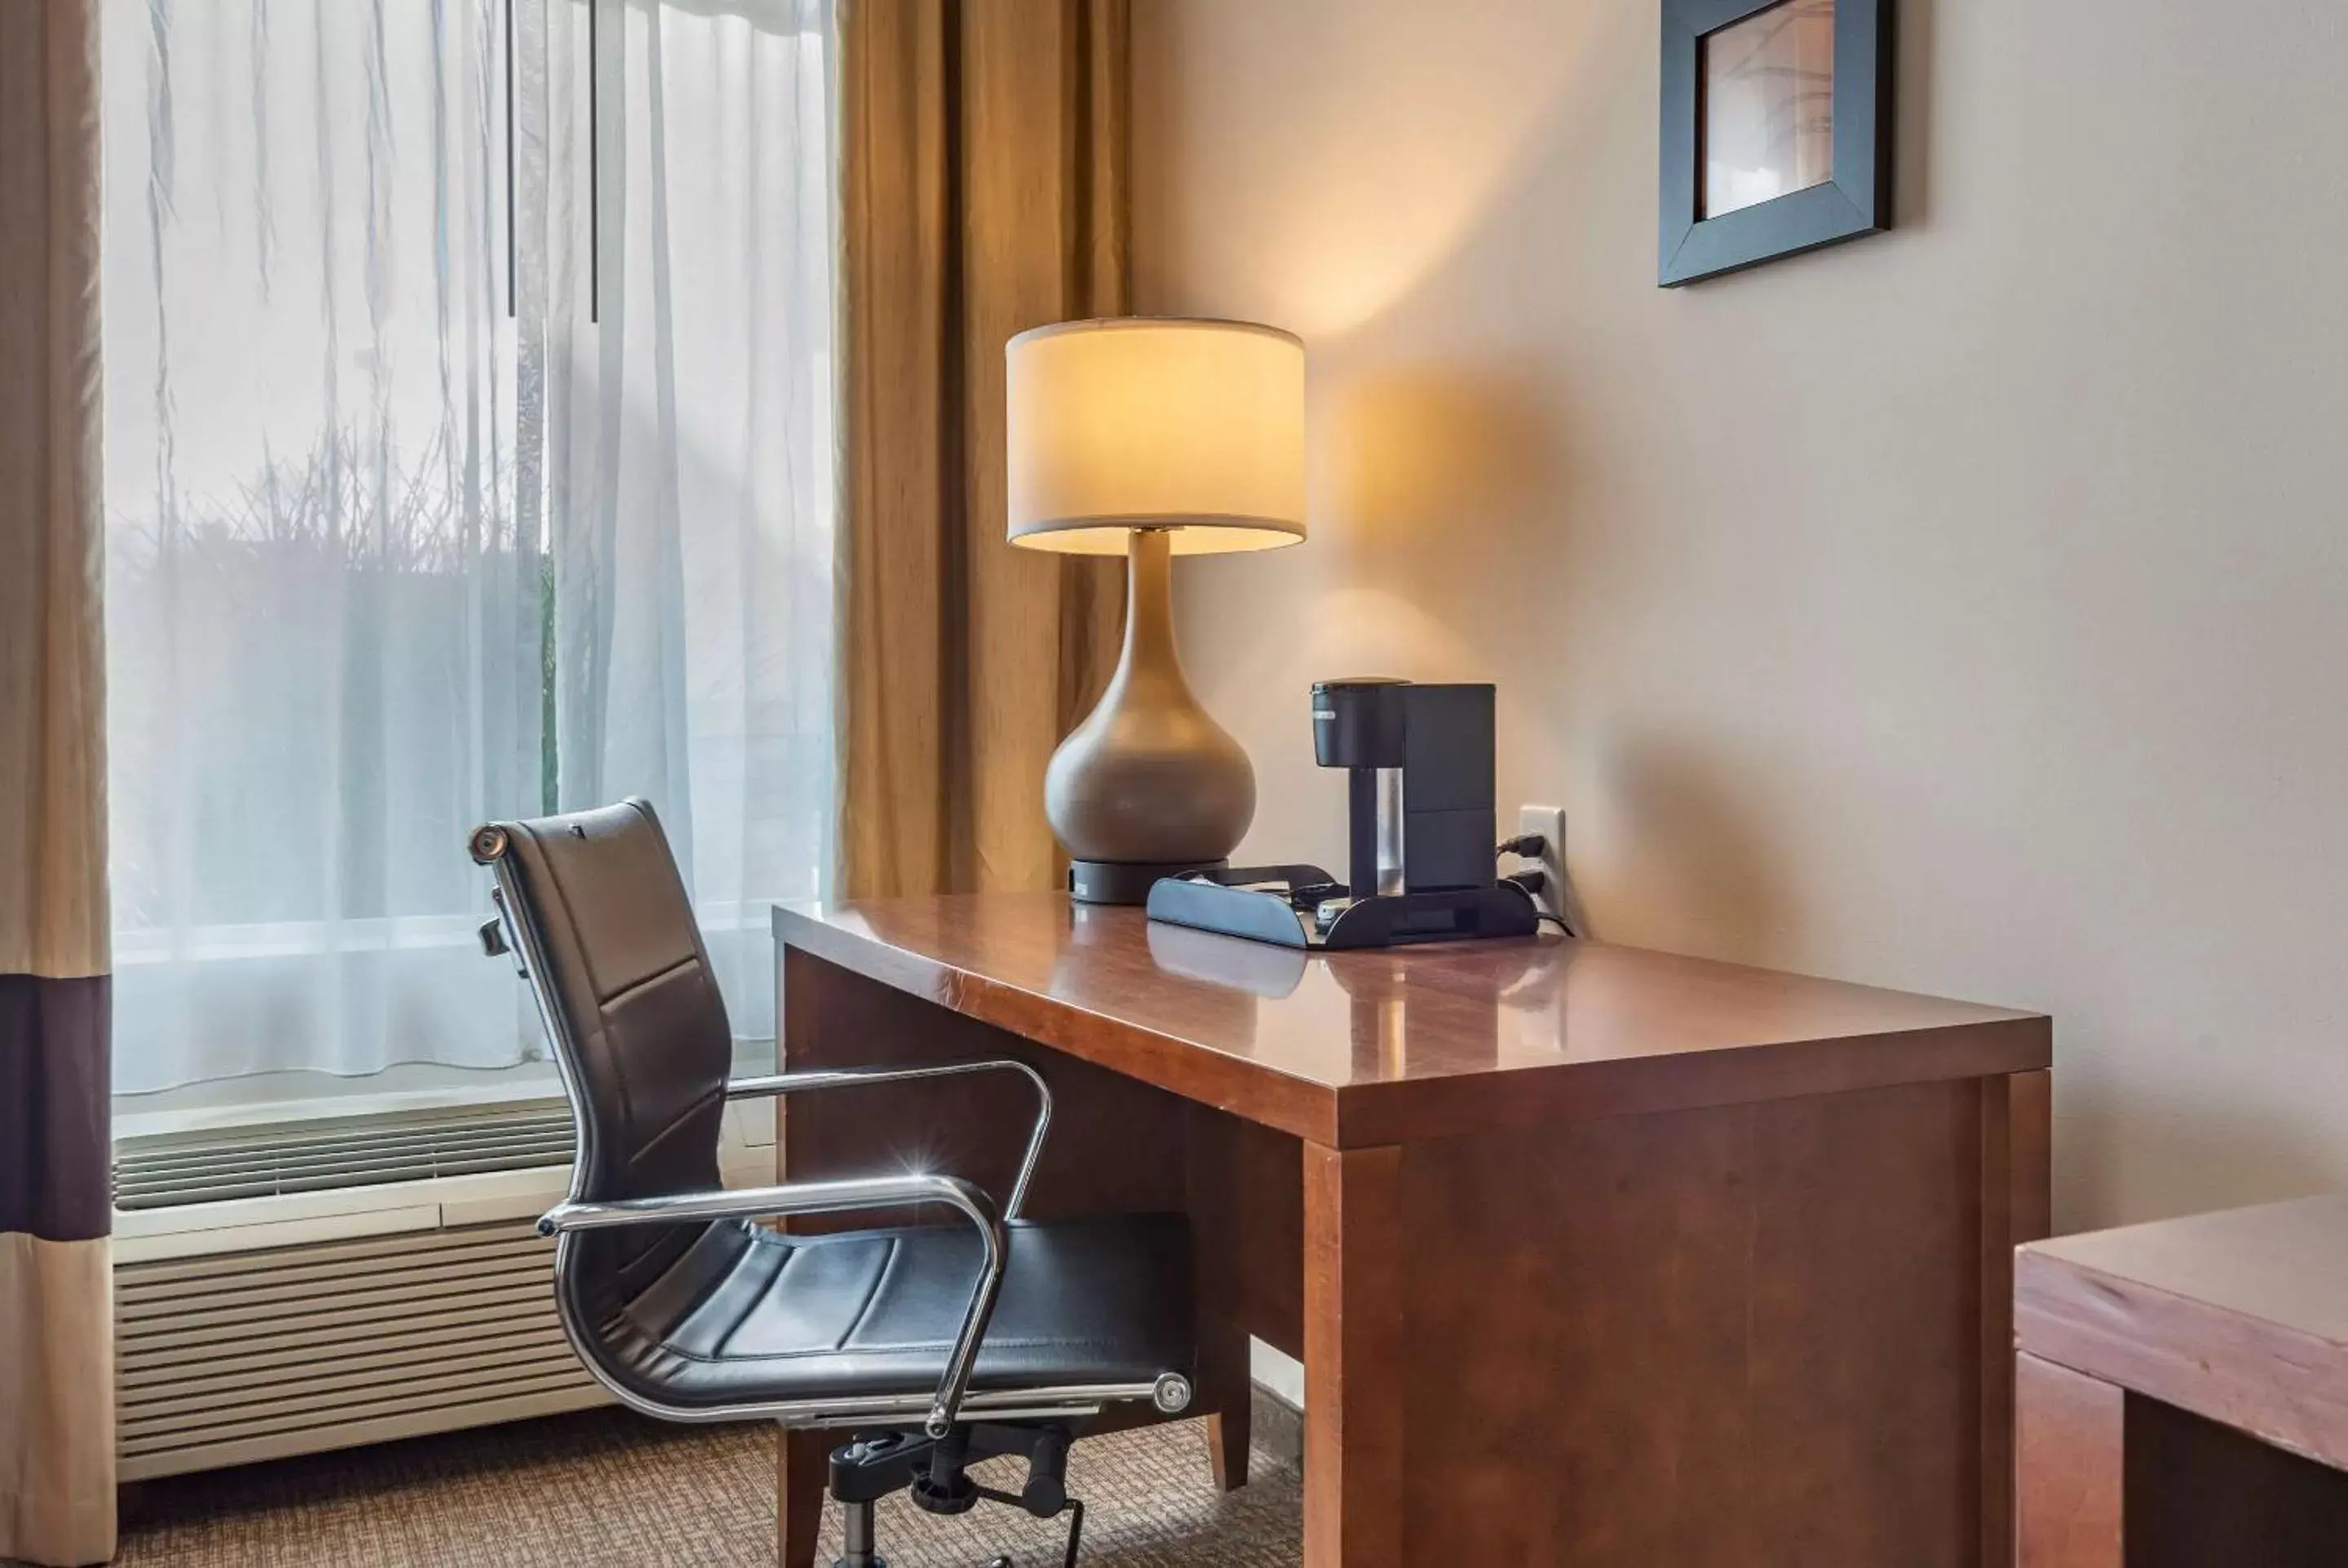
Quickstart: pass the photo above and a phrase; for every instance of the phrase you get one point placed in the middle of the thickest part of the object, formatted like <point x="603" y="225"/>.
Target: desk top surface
<point x="1380" y="1047"/>
<point x="2240" y="1315"/>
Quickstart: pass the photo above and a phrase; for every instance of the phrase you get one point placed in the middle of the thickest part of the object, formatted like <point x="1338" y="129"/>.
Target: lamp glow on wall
<point x="1152" y="437"/>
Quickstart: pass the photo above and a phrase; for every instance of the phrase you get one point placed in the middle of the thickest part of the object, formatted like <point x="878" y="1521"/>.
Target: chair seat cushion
<point x="748" y="1317"/>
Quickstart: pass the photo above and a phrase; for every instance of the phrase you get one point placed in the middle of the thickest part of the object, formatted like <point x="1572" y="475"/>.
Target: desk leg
<point x="2016" y="1139"/>
<point x="803" y="1473"/>
<point x="1227" y="1387"/>
<point x="1353" y="1358"/>
<point x="2072" y="1439"/>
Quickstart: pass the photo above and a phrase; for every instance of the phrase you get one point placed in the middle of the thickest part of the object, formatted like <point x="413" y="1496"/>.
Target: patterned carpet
<point x="607" y="1488"/>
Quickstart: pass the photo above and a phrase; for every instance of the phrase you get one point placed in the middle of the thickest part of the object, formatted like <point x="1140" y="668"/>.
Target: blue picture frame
<point x="1857" y="200"/>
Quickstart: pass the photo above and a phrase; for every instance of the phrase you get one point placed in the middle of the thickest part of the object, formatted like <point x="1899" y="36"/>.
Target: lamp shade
<point x="1197" y="426"/>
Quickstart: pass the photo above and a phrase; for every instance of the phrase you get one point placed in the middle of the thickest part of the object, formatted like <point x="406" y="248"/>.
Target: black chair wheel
<point x="1000" y="1563"/>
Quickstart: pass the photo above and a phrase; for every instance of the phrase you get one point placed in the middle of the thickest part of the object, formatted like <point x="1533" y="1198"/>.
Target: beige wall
<point x="1965" y="609"/>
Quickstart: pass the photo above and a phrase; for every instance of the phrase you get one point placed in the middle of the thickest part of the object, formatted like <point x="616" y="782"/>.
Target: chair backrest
<point x="628" y="990"/>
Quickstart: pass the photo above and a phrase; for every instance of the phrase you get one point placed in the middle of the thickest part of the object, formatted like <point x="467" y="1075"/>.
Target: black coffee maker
<point x="1420" y="834"/>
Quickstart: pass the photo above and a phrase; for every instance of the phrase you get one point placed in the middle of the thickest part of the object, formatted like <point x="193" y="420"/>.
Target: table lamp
<point x="1152" y="437"/>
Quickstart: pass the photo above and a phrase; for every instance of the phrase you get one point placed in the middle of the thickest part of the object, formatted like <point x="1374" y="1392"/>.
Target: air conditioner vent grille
<point x="230" y="1357"/>
<point x="167" y="1171"/>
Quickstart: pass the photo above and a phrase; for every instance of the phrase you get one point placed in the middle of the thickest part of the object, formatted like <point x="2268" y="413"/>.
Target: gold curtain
<point x="983" y="148"/>
<point x="57" y="1347"/>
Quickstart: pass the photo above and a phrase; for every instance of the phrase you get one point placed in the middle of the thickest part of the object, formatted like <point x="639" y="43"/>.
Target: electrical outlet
<point x="1548" y="820"/>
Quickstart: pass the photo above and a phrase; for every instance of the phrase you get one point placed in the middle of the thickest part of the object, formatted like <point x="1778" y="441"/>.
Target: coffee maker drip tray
<point x="1304" y="907"/>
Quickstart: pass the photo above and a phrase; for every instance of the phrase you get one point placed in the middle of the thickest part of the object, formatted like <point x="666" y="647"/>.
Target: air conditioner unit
<point x="311" y="1284"/>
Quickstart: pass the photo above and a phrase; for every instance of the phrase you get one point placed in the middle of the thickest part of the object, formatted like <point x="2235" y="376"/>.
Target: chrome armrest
<point x="850" y="1077"/>
<point x="823" y="1198"/>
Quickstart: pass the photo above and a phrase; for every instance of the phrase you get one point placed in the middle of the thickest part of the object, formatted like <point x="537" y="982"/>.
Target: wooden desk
<point x="1593" y="1255"/>
<point x="2184" y="1392"/>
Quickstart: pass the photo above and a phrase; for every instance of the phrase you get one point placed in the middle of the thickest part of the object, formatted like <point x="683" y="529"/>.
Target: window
<point x="416" y="519"/>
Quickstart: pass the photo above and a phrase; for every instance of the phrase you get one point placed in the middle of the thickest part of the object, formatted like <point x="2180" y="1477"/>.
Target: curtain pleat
<point x="57" y="1357"/>
<point x="983" y="171"/>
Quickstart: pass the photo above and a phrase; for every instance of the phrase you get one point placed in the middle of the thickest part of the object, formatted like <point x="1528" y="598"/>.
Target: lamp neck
<point x="1149" y="592"/>
<point x="1149" y="605"/>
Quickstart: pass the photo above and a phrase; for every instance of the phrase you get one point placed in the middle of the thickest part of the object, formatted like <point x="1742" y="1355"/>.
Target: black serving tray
<point x="1277" y="904"/>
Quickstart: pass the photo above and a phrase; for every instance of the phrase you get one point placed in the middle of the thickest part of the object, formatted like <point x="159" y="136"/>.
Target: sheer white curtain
<point x="689" y="426"/>
<point x="384" y="562"/>
<point x="323" y="624"/>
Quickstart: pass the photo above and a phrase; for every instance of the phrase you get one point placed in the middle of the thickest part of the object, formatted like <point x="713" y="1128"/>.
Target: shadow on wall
<point x="1419" y="453"/>
<point x="1415" y="453"/>
<point x="1702" y="877"/>
<point x="1912" y="130"/>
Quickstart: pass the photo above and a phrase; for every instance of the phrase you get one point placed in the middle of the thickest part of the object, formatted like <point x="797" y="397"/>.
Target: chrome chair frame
<point x="937" y="1414"/>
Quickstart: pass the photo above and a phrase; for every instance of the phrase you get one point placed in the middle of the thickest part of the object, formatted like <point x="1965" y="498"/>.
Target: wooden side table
<point x="2182" y="1392"/>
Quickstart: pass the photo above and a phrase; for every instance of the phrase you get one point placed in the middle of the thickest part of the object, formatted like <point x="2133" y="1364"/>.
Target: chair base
<point x="871" y="1465"/>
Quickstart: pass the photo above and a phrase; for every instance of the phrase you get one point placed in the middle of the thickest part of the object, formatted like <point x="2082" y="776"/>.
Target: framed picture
<point x="1776" y="131"/>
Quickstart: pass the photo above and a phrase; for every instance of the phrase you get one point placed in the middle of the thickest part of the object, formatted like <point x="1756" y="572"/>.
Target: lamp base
<point x="1125" y="881"/>
<point x="1149" y="785"/>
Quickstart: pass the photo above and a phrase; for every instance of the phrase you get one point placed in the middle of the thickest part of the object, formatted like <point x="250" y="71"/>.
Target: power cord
<point x="1533" y="879"/>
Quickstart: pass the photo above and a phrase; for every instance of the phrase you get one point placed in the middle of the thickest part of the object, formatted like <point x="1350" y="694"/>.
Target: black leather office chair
<point x="934" y="1345"/>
